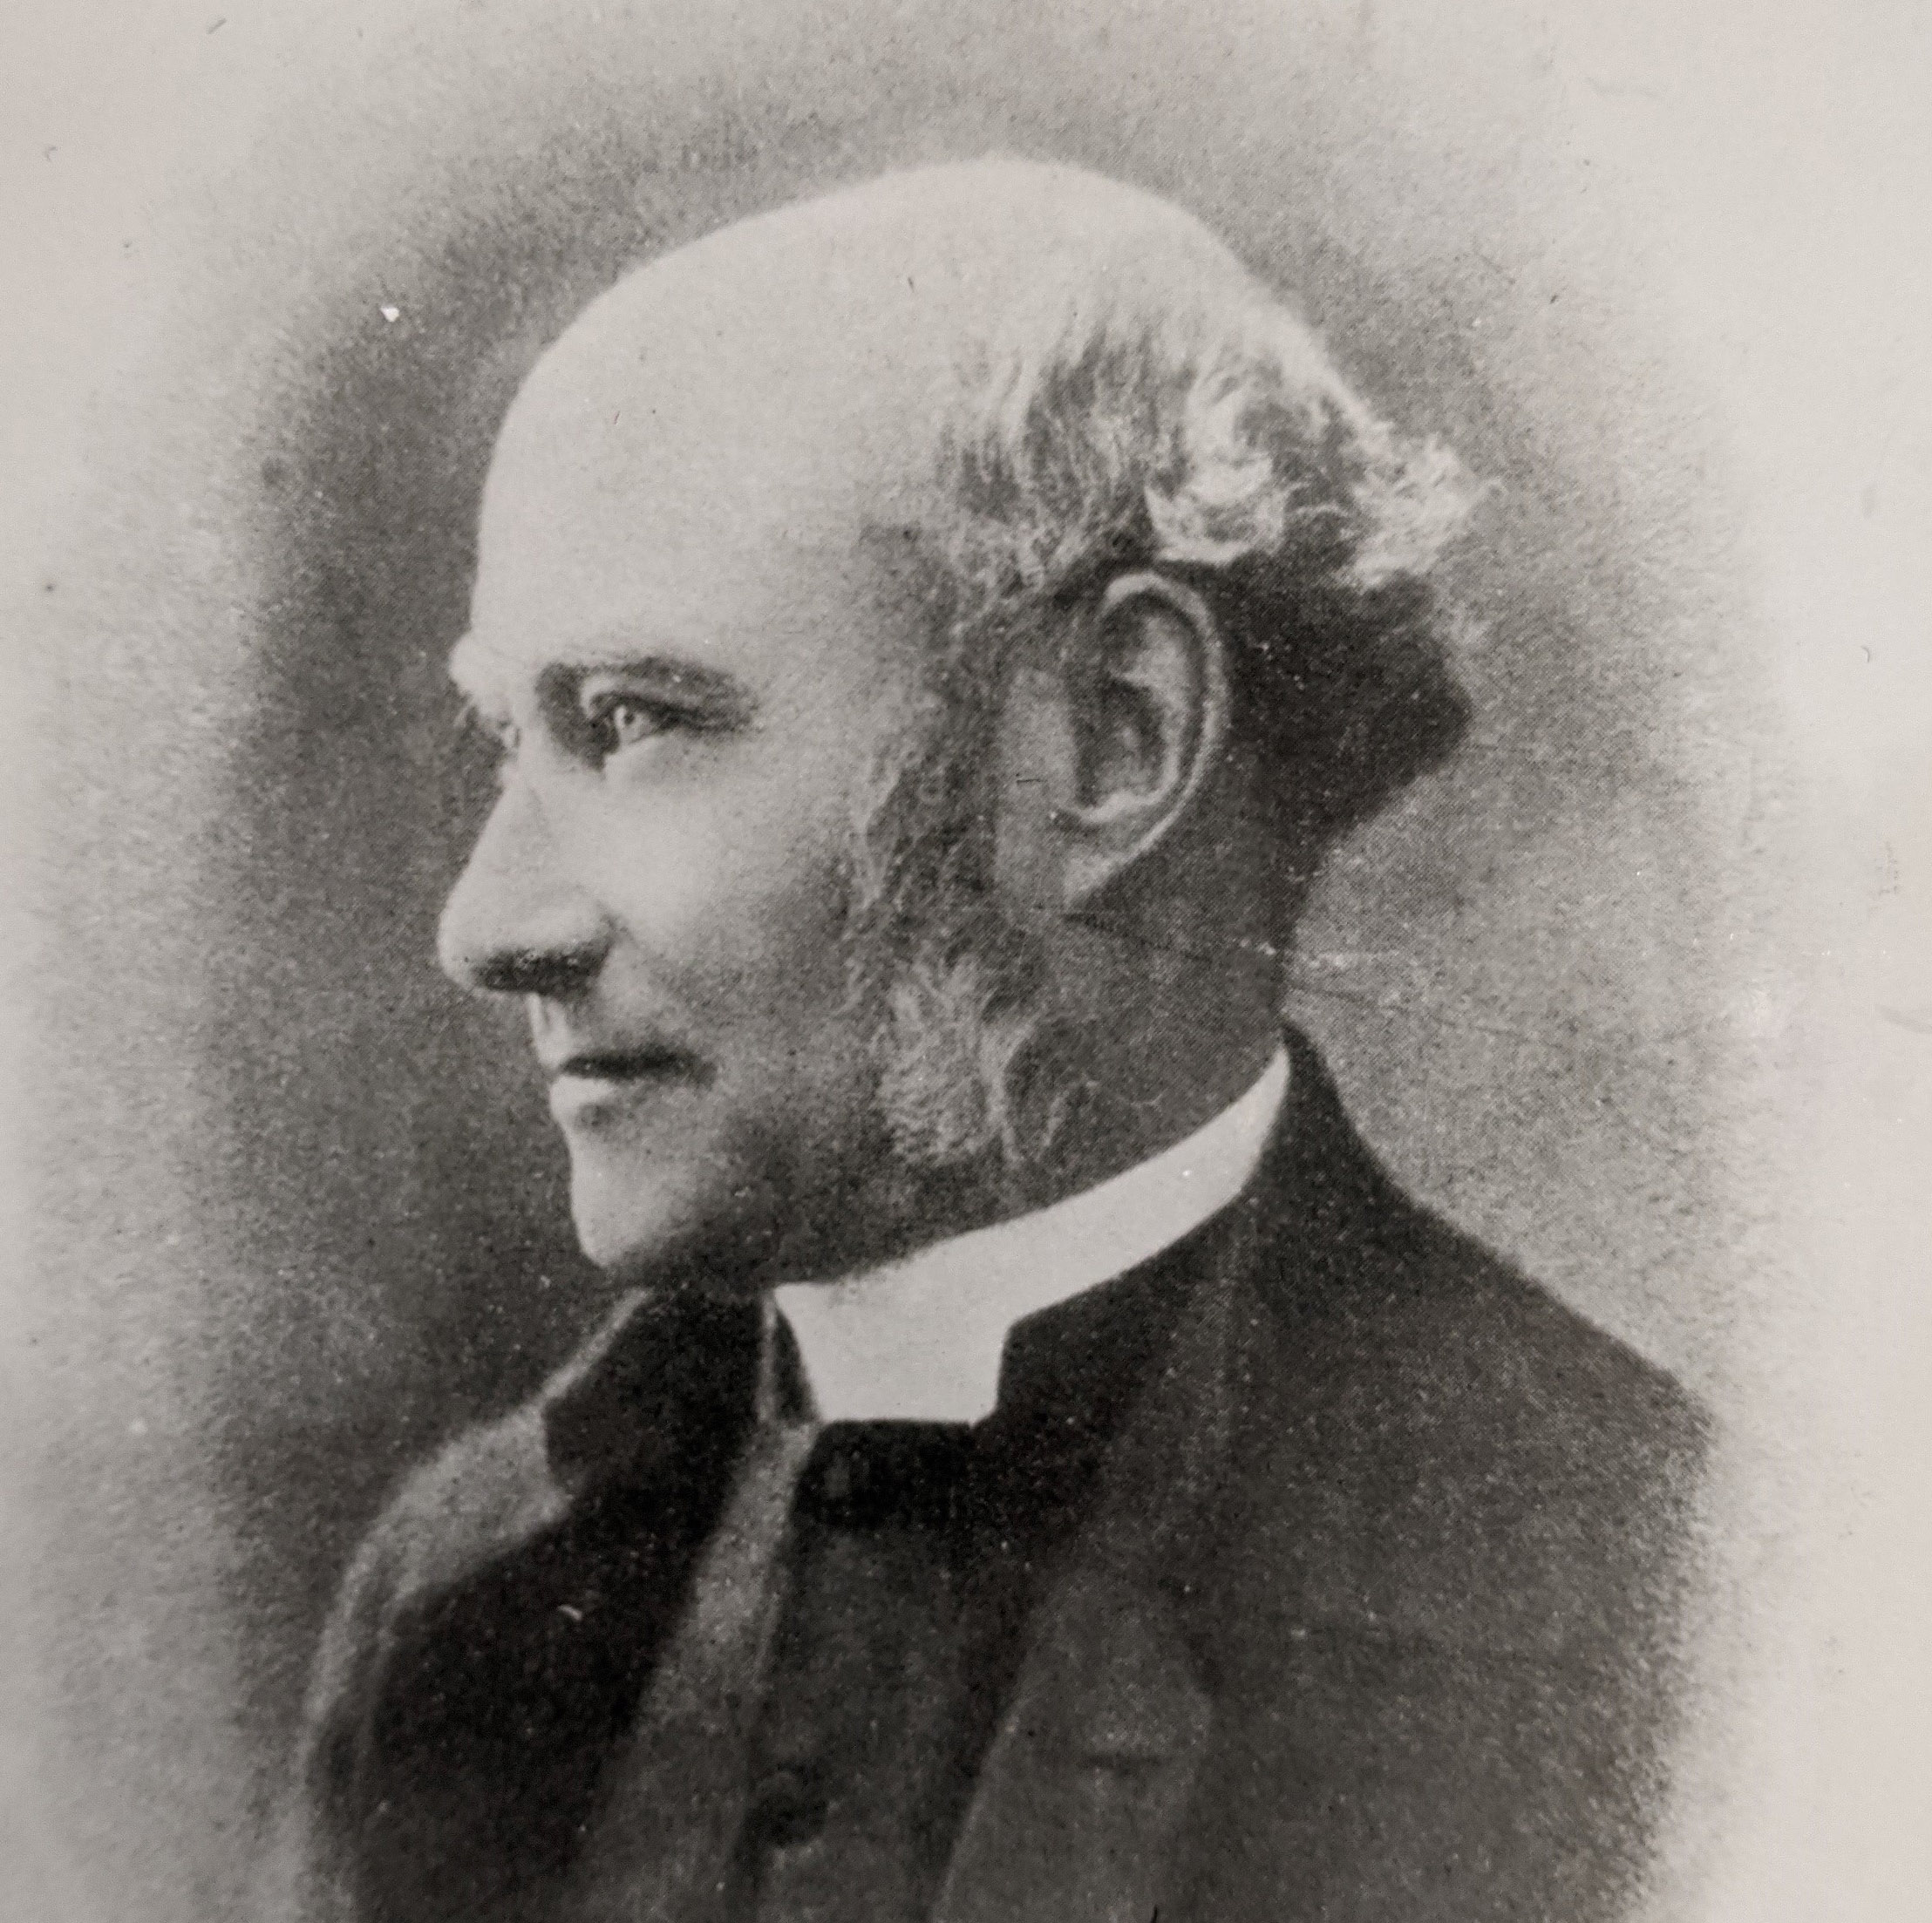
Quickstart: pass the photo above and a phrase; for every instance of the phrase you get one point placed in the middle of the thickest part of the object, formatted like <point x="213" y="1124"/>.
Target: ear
<point x="1146" y="719"/>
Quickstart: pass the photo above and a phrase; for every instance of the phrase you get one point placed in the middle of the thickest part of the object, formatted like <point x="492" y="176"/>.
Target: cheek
<point x="733" y="901"/>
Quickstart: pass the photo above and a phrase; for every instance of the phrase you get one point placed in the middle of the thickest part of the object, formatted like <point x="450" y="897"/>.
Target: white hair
<point x="1124" y="393"/>
<point x="1132" y="393"/>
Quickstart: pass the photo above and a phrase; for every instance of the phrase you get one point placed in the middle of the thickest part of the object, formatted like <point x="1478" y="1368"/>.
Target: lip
<point x="596" y="1079"/>
<point x="617" y="1065"/>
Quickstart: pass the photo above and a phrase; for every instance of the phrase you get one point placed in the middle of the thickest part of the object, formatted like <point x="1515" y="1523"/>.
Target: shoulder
<point x="481" y="1497"/>
<point x="1450" y="1571"/>
<point x="486" y="1494"/>
<point x="641" y="1408"/>
<point x="511" y="1583"/>
<point x="1446" y="1342"/>
<point x="1488" y="1462"/>
<point x="477" y="1500"/>
<point x="1504" y="1474"/>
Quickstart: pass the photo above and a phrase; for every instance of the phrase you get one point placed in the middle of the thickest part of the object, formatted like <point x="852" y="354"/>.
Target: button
<point x="788" y="1808"/>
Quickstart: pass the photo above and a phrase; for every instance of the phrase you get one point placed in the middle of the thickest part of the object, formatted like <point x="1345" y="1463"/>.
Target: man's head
<point x="935" y="631"/>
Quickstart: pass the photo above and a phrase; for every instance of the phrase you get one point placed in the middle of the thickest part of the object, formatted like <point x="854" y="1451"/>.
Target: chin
<point x="667" y="1225"/>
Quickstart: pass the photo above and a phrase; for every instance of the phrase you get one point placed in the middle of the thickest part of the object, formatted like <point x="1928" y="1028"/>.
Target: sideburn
<point x="953" y="993"/>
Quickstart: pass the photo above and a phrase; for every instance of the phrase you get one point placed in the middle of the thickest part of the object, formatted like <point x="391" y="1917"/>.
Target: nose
<point x="514" y="923"/>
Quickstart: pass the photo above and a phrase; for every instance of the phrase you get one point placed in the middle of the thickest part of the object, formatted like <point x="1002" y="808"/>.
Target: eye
<point x="620" y="718"/>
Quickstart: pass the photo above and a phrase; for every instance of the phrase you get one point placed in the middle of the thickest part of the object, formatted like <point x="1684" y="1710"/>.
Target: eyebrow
<point x="477" y="670"/>
<point x="726" y="701"/>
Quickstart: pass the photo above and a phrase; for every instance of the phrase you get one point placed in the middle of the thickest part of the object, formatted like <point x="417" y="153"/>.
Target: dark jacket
<point x="1373" y="1618"/>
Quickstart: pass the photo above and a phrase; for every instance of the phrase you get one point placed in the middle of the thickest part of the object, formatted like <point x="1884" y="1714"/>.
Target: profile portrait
<point x="937" y="961"/>
<point x="934" y="634"/>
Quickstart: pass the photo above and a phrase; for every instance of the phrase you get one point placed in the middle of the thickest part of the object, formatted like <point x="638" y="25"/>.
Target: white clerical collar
<point x="921" y="1339"/>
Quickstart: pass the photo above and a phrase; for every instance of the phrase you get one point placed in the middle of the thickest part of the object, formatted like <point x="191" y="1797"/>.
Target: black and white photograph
<point x="972" y="962"/>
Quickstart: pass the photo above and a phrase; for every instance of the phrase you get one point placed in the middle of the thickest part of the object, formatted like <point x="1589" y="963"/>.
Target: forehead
<point x="684" y="474"/>
<point x="735" y="588"/>
<point x="736" y="596"/>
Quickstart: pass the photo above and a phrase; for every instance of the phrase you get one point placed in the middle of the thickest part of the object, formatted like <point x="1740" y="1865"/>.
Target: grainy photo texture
<point x="1043" y="1467"/>
<point x="920" y="1071"/>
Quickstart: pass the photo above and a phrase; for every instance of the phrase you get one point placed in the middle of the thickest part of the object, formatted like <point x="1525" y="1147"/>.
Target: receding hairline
<point x="847" y="333"/>
<point x="900" y="281"/>
<point x="952" y="327"/>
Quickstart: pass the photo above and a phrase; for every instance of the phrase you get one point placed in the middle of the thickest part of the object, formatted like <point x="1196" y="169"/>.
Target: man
<point x="1042" y="1468"/>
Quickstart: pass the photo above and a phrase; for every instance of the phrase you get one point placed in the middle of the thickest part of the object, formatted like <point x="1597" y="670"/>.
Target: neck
<point x="1165" y="1013"/>
<point x="1149" y="1084"/>
<point x="1140" y="1089"/>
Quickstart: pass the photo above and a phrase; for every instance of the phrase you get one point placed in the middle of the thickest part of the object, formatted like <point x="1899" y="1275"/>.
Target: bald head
<point x="1024" y="376"/>
<point x="829" y="356"/>
<point x="979" y="561"/>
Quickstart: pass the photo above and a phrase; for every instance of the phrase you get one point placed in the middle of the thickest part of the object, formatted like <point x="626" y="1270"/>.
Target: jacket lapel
<point x="1091" y="1769"/>
<point x="1095" y="1760"/>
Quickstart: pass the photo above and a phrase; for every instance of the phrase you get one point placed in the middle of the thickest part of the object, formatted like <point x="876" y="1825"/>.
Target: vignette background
<point x="1598" y="991"/>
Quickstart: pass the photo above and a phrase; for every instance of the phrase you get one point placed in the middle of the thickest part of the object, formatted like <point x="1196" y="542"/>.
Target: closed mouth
<point x="624" y="1065"/>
